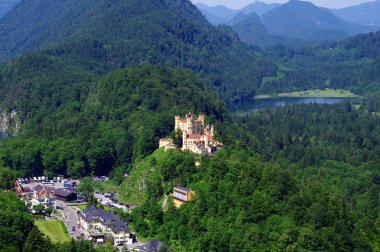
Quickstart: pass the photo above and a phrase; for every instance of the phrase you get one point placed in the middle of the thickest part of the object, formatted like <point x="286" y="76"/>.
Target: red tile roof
<point x="195" y="136"/>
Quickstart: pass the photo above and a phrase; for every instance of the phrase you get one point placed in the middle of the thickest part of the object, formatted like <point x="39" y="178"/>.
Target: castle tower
<point x="212" y="131"/>
<point x="184" y="140"/>
<point x="177" y="122"/>
<point x="202" y="119"/>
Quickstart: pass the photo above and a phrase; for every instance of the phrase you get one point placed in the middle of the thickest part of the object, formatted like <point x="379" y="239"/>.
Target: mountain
<point x="97" y="36"/>
<point x="6" y="6"/>
<point x="217" y="14"/>
<point x="305" y="21"/>
<point x="250" y="29"/>
<point x="120" y="120"/>
<point x="351" y="64"/>
<point x="220" y="14"/>
<point x="259" y="8"/>
<point x="213" y="18"/>
<point x="365" y="14"/>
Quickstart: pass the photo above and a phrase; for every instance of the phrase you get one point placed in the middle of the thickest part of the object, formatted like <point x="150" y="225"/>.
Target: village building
<point x="65" y="195"/>
<point x="196" y="136"/>
<point x="182" y="195"/>
<point x="41" y="195"/>
<point x="99" y="225"/>
<point x="167" y="143"/>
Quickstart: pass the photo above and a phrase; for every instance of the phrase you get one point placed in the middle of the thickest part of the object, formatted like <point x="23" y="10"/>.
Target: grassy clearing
<point x="55" y="230"/>
<point x="106" y="186"/>
<point x="84" y="206"/>
<point x="324" y="93"/>
<point x="133" y="189"/>
<point x="81" y="206"/>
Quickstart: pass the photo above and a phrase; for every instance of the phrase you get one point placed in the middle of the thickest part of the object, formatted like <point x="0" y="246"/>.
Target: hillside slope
<point x="365" y="14"/>
<point x="260" y="8"/>
<point x="250" y="29"/>
<point x="6" y="6"/>
<point x="99" y="36"/>
<point x="352" y="64"/>
<point x="218" y="14"/>
<point x="121" y="120"/>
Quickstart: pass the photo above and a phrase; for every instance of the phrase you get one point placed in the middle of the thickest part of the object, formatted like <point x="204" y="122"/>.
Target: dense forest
<point x="352" y="64"/>
<point x="97" y="84"/>
<point x="310" y="134"/>
<point x="95" y="37"/>
<point x="303" y="178"/>
<point x="120" y="121"/>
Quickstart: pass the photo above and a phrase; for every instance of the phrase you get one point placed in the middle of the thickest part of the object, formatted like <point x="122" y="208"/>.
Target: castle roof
<point x="195" y="136"/>
<point x="182" y="188"/>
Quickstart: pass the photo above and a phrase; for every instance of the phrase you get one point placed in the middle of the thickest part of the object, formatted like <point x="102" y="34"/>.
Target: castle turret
<point x="212" y="131"/>
<point x="202" y="119"/>
<point x="177" y="122"/>
<point x="184" y="140"/>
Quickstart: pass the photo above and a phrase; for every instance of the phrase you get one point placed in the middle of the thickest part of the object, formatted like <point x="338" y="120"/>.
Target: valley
<point x="324" y="93"/>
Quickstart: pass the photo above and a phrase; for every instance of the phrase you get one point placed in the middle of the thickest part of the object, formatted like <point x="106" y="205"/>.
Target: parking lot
<point x="108" y="199"/>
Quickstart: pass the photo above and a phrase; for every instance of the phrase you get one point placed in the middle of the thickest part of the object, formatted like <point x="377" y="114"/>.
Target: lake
<point x="259" y="104"/>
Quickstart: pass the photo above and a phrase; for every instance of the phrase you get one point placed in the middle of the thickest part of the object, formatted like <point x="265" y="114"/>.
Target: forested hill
<point x="98" y="36"/>
<point x="120" y="121"/>
<point x="352" y="64"/>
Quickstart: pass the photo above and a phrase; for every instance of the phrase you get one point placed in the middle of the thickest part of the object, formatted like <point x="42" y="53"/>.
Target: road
<point x="70" y="219"/>
<point x="105" y="201"/>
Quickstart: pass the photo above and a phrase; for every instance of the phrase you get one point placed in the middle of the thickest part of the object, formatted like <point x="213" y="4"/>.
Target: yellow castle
<point x="196" y="136"/>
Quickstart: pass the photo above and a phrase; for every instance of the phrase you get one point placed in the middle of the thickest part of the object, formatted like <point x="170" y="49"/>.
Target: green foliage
<point x="351" y="64"/>
<point x="93" y="37"/>
<point x="121" y="121"/>
<point x="310" y="134"/>
<point x="86" y="187"/>
<point x="36" y="242"/>
<point x="157" y="174"/>
<point x="39" y="208"/>
<point x="7" y="179"/>
<point x="243" y="204"/>
<point x="15" y="224"/>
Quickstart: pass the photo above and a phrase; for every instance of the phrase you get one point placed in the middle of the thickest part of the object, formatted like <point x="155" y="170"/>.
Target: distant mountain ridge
<point x="260" y="8"/>
<point x="303" y="20"/>
<point x="279" y="23"/>
<point x="6" y="6"/>
<point x="221" y="15"/>
<point x="93" y="37"/>
<point x="365" y="14"/>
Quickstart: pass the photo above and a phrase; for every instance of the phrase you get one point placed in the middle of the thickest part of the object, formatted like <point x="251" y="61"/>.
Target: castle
<point x="196" y="136"/>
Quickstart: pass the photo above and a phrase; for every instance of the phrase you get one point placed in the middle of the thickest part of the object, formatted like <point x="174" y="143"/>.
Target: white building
<point x="99" y="226"/>
<point x="44" y="196"/>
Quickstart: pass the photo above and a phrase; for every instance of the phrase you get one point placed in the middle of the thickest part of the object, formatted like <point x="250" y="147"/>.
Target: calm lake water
<point x="256" y="105"/>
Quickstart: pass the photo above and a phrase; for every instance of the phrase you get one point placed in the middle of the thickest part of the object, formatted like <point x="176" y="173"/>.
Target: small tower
<point x="177" y="122"/>
<point x="202" y="119"/>
<point x="184" y="140"/>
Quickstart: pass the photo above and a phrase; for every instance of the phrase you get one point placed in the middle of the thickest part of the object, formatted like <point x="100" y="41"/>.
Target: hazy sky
<point x="241" y="3"/>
